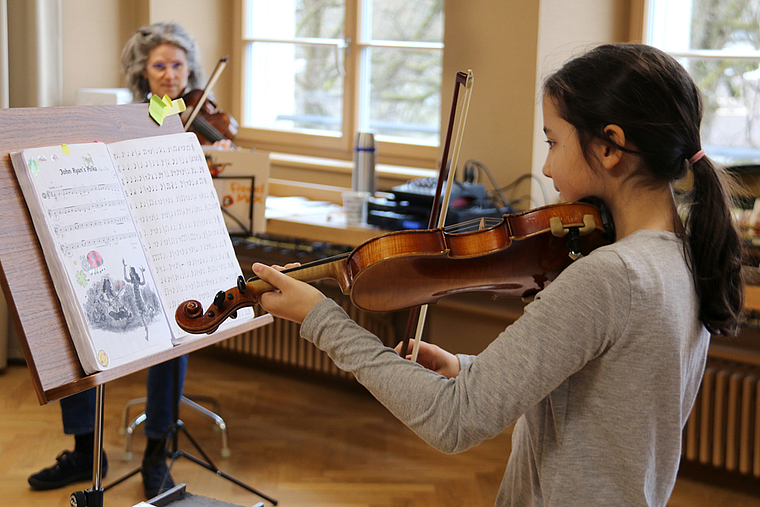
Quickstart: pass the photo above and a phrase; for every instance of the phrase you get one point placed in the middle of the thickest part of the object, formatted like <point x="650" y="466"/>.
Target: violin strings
<point x="317" y="262"/>
<point x="207" y="130"/>
<point x="472" y="225"/>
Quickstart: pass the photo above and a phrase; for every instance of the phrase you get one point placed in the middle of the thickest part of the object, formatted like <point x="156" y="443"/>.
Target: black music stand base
<point x="94" y="497"/>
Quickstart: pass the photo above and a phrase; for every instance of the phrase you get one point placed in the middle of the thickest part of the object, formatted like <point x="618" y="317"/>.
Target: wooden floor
<point x="301" y="441"/>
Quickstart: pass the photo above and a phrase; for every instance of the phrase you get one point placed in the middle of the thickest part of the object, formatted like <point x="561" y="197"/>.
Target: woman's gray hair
<point x="135" y="56"/>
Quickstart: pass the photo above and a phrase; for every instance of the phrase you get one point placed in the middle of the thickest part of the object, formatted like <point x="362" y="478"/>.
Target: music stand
<point x="27" y="285"/>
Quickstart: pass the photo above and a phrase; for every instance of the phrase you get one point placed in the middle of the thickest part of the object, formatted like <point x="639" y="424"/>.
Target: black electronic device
<point x="408" y="206"/>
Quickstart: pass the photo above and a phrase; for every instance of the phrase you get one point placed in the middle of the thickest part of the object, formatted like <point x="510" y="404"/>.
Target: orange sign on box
<point x="234" y="172"/>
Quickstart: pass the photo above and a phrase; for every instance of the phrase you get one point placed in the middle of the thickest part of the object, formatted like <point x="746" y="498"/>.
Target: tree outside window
<point x="332" y="67"/>
<point x="718" y="42"/>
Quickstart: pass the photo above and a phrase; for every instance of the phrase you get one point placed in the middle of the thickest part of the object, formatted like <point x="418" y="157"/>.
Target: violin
<point x="212" y="124"/>
<point x="518" y="256"/>
<point x="203" y="117"/>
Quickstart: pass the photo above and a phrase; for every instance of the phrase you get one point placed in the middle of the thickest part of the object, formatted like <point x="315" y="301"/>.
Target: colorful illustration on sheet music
<point x="34" y="166"/>
<point x="92" y="263"/>
<point x="102" y="358"/>
<point x="82" y="278"/>
<point x="120" y="305"/>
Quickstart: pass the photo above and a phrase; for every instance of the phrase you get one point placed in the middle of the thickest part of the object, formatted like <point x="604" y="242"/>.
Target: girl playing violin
<point x="601" y="371"/>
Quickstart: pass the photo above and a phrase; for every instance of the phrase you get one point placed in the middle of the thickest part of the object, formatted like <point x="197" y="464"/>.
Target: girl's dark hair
<point x="649" y="95"/>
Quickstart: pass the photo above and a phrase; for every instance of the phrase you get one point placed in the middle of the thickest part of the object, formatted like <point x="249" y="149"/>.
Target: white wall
<point x="497" y="40"/>
<point x="91" y="47"/>
<point x="567" y="29"/>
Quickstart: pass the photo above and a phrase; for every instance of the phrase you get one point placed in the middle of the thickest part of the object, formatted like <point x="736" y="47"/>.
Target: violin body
<point x="212" y="124"/>
<point x="519" y="256"/>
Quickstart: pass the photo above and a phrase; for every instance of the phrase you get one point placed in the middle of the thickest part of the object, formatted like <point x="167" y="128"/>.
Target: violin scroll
<point x="191" y="317"/>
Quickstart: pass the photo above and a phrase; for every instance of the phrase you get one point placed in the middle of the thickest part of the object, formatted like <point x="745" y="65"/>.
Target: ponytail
<point x="714" y="249"/>
<point x="652" y="98"/>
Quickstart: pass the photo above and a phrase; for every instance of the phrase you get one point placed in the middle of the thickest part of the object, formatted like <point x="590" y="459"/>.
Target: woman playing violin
<point x="602" y="370"/>
<point x="160" y="59"/>
<point x="163" y="59"/>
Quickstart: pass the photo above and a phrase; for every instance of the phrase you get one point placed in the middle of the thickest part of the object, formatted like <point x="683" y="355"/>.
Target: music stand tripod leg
<point x="93" y="497"/>
<point x="175" y="453"/>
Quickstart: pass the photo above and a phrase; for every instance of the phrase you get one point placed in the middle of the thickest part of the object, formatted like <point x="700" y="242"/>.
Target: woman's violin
<point x="518" y="256"/>
<point x="211" y="124"/>
<point x="203" y="117"/>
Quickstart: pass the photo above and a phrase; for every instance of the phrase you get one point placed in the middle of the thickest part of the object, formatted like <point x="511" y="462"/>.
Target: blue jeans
<point x="78" y="410"/>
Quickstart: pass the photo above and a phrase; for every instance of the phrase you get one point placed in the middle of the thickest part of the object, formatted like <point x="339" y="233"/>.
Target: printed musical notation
<point x="85" y="208"/>
<point x="57" y="194"/>
<point x="173" y="202"/>
<point x="68" y="248"/>
<point x="60" y="230"/>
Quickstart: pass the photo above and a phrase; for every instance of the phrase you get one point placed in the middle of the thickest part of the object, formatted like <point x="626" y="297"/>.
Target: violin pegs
<point x="241" y="284"/>
<point x="219" y="299"/>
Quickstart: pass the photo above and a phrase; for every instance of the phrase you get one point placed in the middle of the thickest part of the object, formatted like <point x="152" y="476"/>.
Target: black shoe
<point x="70" y="466"/>
<point x="153" y="475"/>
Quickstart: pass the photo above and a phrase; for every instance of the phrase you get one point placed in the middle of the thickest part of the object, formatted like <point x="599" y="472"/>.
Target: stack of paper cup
<point x="355" y="207"/>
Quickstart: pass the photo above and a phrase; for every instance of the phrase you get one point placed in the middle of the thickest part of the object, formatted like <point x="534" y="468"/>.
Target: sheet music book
<point x="129" y="230"/>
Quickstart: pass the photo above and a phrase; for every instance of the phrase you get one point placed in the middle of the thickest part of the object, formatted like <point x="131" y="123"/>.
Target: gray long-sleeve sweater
<point x="600" y="374"/>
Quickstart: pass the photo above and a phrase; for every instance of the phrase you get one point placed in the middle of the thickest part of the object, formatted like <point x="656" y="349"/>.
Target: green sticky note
<point x="156" y="108"/>
<point x="160" y="108"/>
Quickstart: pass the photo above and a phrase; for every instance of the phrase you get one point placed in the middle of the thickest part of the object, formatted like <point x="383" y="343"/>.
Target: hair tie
<point x="697" y="157"/>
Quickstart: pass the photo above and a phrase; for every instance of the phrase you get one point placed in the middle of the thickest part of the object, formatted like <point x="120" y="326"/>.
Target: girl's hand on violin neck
<point x="292" y="300"/>
<point x="434" y="358"/>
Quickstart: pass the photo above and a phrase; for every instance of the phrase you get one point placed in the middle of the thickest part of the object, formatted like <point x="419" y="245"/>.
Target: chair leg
<point x="128" y="428"/>
<point x="129" y="432"/>
<point x="225" y="451"/>
<point x="125" y="413"/>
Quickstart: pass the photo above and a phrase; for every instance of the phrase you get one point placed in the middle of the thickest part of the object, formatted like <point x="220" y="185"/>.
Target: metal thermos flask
<point x="364" y="178"/>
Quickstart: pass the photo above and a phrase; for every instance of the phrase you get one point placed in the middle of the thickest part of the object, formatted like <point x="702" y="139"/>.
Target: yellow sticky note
<point x="160" y="108"/>
<point x="65" y="148"/>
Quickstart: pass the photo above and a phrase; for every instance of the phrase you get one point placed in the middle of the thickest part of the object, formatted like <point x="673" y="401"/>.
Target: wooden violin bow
<point x="189" y="119"/>
<point x="417" y="316"/>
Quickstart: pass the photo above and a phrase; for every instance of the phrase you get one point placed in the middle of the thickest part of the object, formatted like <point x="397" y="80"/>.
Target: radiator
<point x="280" y="342"/>
<point x="723" y="429"/>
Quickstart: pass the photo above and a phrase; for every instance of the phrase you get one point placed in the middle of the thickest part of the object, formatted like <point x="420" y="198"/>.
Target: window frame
<point x="641" y="14"/>
<point x="314" y="145"/>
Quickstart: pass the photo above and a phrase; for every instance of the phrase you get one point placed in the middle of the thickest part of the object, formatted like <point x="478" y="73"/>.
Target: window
<point x="718" y="42"/>
<point x="316" y="72"/>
